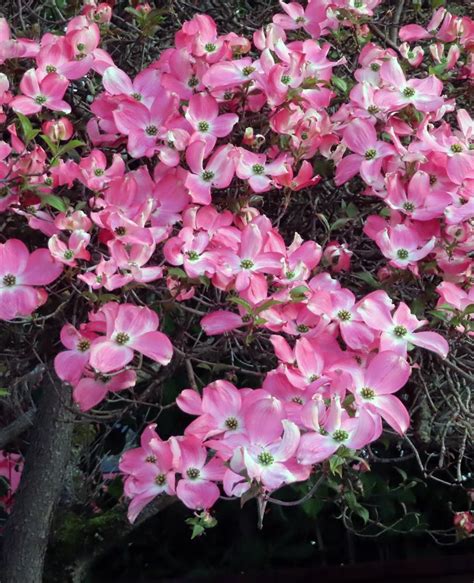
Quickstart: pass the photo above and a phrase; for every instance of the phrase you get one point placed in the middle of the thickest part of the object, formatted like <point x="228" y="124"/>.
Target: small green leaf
<point x="72" y="145"/>
<point x="177" y="273"/>
<point x="356" y="507"/>
<point x="298" y="293"/>
<point x="4" y="392"/>
<point x="55" y="201"/>
<point x="368" y="278"/>
<point x="339" y="83"/>
<point x="241" y="302"/>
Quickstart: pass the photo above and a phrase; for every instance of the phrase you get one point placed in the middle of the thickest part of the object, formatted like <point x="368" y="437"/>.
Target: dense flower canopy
<point x="171" y="177"/>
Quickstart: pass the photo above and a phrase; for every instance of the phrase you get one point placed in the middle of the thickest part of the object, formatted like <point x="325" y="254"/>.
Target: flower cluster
<point x="179" y="155"/>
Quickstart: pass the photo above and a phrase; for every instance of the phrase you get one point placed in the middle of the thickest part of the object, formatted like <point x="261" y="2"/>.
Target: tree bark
<point x="27" y="529"/>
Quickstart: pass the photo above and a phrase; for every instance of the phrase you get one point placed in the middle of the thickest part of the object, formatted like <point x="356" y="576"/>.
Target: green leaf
<point x="177" y="272"/>
<point x="241" y="302"/>
<point x="335" y="465"/>
<point x="368" y="278"/>
<point x="339" y="83"/>
<point x="4" y="392"/>
<point x="25" y="123"/>
<point x="266" y="305"/>
<point x="55" y="201"/>
<point x="53" y="148"/>
<point x="72" y="145"/>
<point x="352" y="211"/>
<point x="325" y="222"/>
<point x="298" y="293"/>
<point x="29" y="133"/>
<point x="469" y="310"/>
<point x="356" y="507"/>
<point x="338" y="223"/>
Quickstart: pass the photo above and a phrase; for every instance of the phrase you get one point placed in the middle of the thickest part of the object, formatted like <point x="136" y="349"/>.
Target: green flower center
<point x="192" y="255"/>
<point x="340" y="435"/>
<point x="297" y="400"/>
<point x="40" y="99"/>
<point x="9" y="280"/>
<point x="286" y="79"/>
<point x="231" y="423"/>
<point x="373" y="109"/>
<point x="344" y="315"/>
<point x="160" y="480"/>
<point x="375" y="67"/>
<point x="207" y="175"/>
<point x="248" y="70"/>
<point x="456" y="148"/>
<point x="151" y="130"/>
<point x="99" y="172"/>
<point x="203" y="126"/>
<point x="120" y="231"/>
<point x="367" y="393"/>
<point x="137" y="96"/>
<point x="433" y="179"/>
<point x="265" y="459"/>
<point x="290" y="274"/>
<point x="313" y="378"/>
<point x="68" y="255"/>
<point x="358" y="4"/>
<point x="193" y="81"/>
<point x="83" y="345"/>
<point x="246" y="264"/>
<point x="50" y="69"/>
<point x="228" y="95"/>
<point x="81" y="47"/>
<point x="409" y="207"/>
<point x="408" y="92"/>
<point x="122" y="338"/>
<point x="402" y="254"/>
<point x="210" y="47"/>
<point x="151" y="459"/>
<point x="193" y="473"/>
<point x="300" y="20"/>
<point x="400" y="331"/>
<point x="258" y="169"/>
<point x="302" y="328"/>
<point x="370" y="154"/>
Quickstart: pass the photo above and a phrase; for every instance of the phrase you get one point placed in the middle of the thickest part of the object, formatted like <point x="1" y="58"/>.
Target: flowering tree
<point x="196" y="218"/>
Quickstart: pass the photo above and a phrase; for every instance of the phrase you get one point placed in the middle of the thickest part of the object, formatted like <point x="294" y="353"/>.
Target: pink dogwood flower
<point x="37" y="94"/>
<point x="196" y="488"/>
<point x="254" y="168"/>
<point x="338" y="430"/>
<point x="73" y="250"/>
<point x="20" y="274"/>
<point x="369" y="153"/>
<point x="150" y="469"/>
<point x="208" y="125"/>
<point x="93" y="388"/>
<point x="373" y="388"/>
<point x="70" y="364"/>
<point x="144" y="126"/>
<point x="129" y="328"/>
<point x="424" y="94"/>
<point x="403" y="245"/>
<point x="219" y="171"/>
<point x="399" y="330"/>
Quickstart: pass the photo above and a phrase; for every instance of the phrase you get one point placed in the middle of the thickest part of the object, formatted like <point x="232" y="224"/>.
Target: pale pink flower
<point x="196" y="488"/>
<point x="20" y="274"/>
<point x="203" y="116"/>
<point x="37" y="94"/>
<point x="129" y="328"/>
<point x="398" y="330"/>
